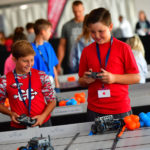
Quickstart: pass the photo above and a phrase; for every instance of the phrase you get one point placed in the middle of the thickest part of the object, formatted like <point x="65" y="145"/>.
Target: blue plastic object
<point x="141" y="124"/>
<point x="148" y="114"/>
<point x="144" y="118"/>
<point x="71" y="102"/>
<point x="91" y="133"/>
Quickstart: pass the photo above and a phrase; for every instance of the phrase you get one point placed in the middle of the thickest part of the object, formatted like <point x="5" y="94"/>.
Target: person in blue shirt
<point x="45" y="58"/>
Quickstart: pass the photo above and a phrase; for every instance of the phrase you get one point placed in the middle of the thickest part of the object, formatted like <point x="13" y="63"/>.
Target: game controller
<point x="25" y="120"/>
<point x="94" y="75"/>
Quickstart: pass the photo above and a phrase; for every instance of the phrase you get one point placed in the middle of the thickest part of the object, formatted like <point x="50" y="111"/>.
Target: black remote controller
<point x="25" y="120"/>
<point x="94" y="75"/>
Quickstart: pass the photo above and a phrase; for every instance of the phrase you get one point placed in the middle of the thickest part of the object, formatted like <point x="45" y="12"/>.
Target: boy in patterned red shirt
<point x="29" y="90"/>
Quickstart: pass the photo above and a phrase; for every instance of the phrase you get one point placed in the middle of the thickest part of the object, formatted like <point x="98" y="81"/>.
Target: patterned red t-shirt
<point x="41" y="93"/>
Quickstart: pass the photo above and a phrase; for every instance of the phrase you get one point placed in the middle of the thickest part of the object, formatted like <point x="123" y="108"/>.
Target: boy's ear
<point x="111" y="27"/>
<point x="42" y="31"/>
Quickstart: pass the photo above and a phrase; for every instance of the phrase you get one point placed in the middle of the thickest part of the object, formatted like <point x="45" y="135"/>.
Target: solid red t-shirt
<point x="121" y="61"/>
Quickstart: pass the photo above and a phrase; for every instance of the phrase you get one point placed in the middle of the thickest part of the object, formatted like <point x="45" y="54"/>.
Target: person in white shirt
<point x="125" y="27"/>
<point x="139" y="54"/>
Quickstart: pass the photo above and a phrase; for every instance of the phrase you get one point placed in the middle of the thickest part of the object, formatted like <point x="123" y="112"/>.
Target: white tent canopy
<point x="14" y="16"/>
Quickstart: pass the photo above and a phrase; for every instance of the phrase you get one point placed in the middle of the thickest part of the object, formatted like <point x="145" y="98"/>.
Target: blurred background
<point x="15" y="13"/>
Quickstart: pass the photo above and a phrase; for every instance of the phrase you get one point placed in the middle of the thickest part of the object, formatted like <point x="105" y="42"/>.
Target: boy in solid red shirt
<point x="116" y="67"/>
<point x="29" y="91"/>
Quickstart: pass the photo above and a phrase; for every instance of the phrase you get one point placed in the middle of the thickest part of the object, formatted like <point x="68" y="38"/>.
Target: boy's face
<point x="100" y="32"/>
<point x="24" y="64"/>
<point x="46" y="33"/>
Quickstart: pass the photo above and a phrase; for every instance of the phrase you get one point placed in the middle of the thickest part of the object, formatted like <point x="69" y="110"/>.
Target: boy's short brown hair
<point x="99" y="15"/>
<point x="22" y="48"/>
<point x="76" y="3"/>
<point x="29" y="25"/>
<point x="41" y="24"/>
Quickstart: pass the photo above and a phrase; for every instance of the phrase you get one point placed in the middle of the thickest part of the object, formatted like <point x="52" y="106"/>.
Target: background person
<point x="139" y="54"/>
<point x="142" y="26"/>
<point x="125" y="27"/>
<point x="82" y="41"/>
<point x="30" y="32"/>
<point x="9" y="63"/>
<point x="70" y="31"/>
<point x="45" y="58"/>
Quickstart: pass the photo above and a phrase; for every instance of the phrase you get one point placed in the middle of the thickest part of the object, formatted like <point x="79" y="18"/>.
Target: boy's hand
<point x="87" y="79"/>
<point x="107" y="77"/>
<point x="14" y="117"/>
<point x="40" y="120"/>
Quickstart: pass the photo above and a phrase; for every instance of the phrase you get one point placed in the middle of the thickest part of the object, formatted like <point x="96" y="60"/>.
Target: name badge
<point x="103" y="93"/>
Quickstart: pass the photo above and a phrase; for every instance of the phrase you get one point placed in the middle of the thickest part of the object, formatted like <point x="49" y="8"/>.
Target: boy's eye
<point x="101" y="31"/>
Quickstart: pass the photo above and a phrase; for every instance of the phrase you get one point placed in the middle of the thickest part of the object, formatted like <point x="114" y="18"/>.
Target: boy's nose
<point x="97" y="35"/>
<point x="30" y="64"/>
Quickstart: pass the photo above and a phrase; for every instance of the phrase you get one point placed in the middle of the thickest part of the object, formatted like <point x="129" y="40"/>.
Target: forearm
<point x="61" y="54"/>
<point x="127" y="78"/>
<point x="61" y="50"/>
<point x="56" y="78"/>
<point x="49" y="108"/>
<point x="5" y="110"/>
<point x="82" y="82"/>
<point x="109" y="78"/>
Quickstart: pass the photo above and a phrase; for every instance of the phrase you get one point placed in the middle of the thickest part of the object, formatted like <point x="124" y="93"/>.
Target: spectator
<point x="83" y="40"/>
<point x="19" y="30"/>
<point x="124" y="30"/>
<point x="9" y="63"/>
<point x="125" y="27"/>
<point x="142" y="26"/>
<point x="2" y="38"/>
<point x="70" y="31"/>
<point x="139" y="54"/>
<point x="116" y="67"/>
<point x="9" y="42"/>
<point x="3" y="56"/>
<point x="45" y="58"/>
<point x="25" y="87"/>
<point x="30" y="32"/>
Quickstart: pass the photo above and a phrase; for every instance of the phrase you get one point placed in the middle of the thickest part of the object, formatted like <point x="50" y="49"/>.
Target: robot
<point x="106" y="123"/>
<point x="38" y="143"/>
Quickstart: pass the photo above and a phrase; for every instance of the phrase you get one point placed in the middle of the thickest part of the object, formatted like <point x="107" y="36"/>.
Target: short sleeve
<point x="83" y="66"/>
<point x="3" y="94"/>
<point x="53" y="56"/>
<point x="63" y="33"/>
<point x="130" y="62"/>
<point x="47" y="90"/>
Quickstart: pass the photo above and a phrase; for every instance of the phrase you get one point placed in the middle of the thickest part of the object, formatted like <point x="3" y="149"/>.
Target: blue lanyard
<point x="29" y="92"/>
<point x="108" y="53"/>
<point x="46" y="63"/>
